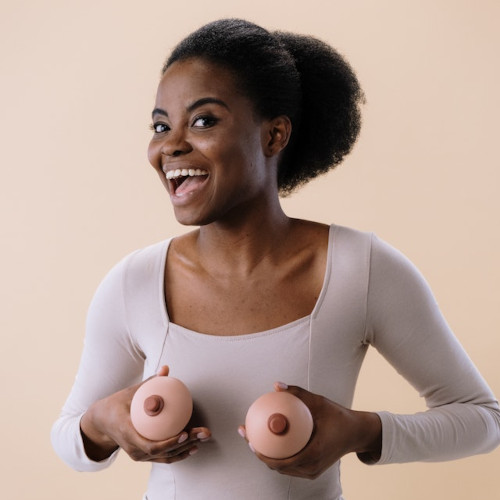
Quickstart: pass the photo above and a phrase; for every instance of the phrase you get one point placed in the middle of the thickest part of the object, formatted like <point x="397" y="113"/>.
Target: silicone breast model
<point x="278" y="425"/>
<point x="161" y="408"/>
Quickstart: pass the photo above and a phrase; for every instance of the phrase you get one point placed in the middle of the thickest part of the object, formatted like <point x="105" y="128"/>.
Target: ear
<point x="277" y="135"/>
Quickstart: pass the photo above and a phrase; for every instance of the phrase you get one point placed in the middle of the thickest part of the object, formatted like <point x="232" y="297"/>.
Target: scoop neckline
<point x="286" y="326"/>
<point x="297" y="323"/>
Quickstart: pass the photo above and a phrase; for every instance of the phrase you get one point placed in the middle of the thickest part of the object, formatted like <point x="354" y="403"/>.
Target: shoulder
<point x="146" y="258"/>
<point x="348" y="244"/>
<point x="391" y="264"/>
<point x="137" y="267"/>
<point x="363" y="253"/>
<point x="346" y="234"/>
<point x="380" y="253"/>
<point x="397" y="291"/>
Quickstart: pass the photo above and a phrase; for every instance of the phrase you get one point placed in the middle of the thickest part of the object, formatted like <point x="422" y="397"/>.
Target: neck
<point x="243" y="243"/>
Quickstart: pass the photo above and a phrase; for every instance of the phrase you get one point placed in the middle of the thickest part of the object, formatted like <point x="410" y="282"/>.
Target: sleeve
<point x="110" y="362"/>
<point x="405" y="325"/>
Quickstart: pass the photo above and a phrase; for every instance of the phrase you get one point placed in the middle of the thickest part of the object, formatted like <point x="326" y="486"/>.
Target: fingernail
<point x="251" y="447"/>
<point x="182" y="438"/>
<point x="282" y="385"/>
<point x="241" y="432"/>
<point x="202" y="435"/>
<point x="193" y="451"/>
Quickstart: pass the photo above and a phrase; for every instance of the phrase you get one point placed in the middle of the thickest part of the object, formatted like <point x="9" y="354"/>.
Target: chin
<point x="190" y="219"/>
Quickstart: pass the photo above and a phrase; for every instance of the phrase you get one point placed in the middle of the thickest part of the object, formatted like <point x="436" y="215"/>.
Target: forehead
<point x="197" y="78"/>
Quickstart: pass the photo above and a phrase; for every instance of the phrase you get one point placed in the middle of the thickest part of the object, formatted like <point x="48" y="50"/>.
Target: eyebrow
<point x="194" y="105"/>
<point x="207" y="100"/>
<point x="159" y="111"/>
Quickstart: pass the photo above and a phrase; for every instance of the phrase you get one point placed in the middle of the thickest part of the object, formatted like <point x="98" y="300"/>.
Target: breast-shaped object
<point x="161" y="408"/>
<point x="278" y="425"/>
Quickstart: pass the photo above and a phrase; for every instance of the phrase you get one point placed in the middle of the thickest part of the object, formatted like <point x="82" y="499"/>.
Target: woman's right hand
<point x="106" y="426"/>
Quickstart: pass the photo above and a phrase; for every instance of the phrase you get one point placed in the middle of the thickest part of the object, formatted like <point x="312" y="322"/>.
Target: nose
<point x="175" y="144"/>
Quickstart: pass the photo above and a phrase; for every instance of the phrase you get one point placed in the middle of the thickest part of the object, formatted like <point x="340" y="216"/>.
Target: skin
<point x="244" y="243"/>
<point x="337" y="431"/>
<point x="106" y="426"/>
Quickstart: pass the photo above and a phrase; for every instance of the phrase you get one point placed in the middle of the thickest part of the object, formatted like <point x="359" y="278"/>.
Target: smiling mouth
<point x="184" y="181"/>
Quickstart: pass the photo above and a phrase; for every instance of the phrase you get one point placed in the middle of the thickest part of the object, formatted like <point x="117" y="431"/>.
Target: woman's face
<point x="208" y="144"/>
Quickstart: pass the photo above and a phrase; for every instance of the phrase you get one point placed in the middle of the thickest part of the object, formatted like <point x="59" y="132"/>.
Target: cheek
<point x="231" y="150"/>
<point x="154" y="154"/>
<point x="209" y="147"/>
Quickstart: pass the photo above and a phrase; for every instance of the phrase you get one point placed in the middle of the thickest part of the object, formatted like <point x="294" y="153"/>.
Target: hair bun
<point x="331" y="99"/>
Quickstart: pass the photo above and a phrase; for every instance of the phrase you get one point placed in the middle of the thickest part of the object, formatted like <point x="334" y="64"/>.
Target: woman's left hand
<point x="337" y="431"/>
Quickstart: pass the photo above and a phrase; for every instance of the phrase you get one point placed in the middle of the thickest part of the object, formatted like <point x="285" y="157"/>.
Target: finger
<point x="173" y="442"/>
<point x="306" y="396"/>
<point x="276" y="464"/>
<point x="200" y="434"/>
<point x="156" y="449"/>
<point x="167" y="449"/>
<point x="170" y="459"/>
<point x="163" y="371"/>
<point x="183" y="440"/>
<point x="280" y="386"/>
<point x="292" y="389"/>
<point x="242" y="432"/>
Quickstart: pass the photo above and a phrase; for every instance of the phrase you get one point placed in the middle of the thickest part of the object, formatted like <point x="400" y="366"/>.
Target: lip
<point x="184" y="198"/>
<point x="180" y="165"/>
<point x="191" y="172"/>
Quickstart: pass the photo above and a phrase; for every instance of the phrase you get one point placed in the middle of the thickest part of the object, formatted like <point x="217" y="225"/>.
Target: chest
<point x="231" y="305"/>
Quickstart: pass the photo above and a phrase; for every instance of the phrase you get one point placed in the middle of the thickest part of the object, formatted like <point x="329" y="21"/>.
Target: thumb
<point x="163" y="371"/>
<point x="295" y="390"/>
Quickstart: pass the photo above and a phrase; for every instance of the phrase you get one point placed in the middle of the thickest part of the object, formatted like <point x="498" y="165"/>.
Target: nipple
<point x="277" y="423"/>
<point x="153" y="405"/>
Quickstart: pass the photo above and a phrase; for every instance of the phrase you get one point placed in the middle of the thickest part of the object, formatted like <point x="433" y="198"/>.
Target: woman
<point x="252" y="296"/>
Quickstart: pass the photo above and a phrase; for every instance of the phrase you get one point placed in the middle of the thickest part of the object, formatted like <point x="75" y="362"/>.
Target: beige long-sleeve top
<point x="371" y="295"/>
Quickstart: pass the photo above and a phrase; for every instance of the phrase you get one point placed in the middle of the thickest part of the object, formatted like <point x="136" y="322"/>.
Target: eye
<point x="204" y="121"/>
<point x="159" y="128"/>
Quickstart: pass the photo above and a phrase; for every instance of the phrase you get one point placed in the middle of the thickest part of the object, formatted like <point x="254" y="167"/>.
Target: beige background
<point x="77" y="86"/>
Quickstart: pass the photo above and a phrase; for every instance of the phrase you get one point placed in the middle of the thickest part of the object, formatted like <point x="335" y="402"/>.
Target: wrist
<point x="98" y="446"/>
<point x="369" y="448"/>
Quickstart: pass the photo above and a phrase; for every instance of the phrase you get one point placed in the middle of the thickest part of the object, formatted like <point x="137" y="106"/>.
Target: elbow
<point x="497" y="420"/>
<point x="62" y="445"/>
<point x="491" y="419"/>
<point x="67" y="442"/>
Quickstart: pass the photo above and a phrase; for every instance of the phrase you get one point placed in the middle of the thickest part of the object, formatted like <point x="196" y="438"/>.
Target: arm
<point x="95" y="421"/>
<point x="110" y="362"/>
<point x="405" y="325"/>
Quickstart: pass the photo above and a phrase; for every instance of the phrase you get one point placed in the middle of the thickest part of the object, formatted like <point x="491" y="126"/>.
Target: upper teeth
<point x="172" y="174"/>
